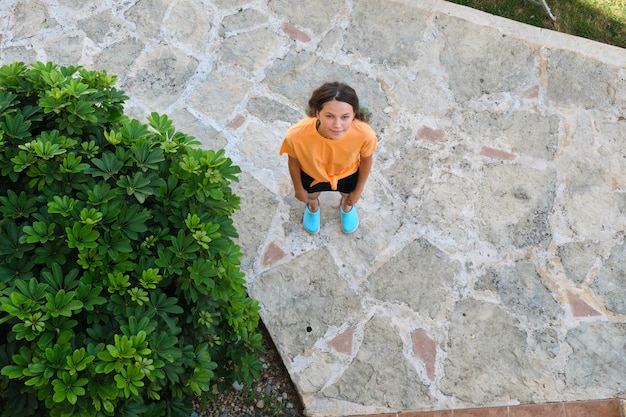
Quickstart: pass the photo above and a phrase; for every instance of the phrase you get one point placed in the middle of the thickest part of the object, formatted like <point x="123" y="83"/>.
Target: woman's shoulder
<point x="302" y="124"/>
<point x="363" y="127"/>
<point x="299" y="129"/>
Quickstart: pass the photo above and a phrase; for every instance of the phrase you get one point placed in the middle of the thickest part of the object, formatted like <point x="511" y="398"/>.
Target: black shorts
<point x="345" y="185"/>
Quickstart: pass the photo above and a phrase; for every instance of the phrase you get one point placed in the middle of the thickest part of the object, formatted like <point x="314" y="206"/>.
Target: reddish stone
<point x="593" y="408"/>
<point x="295" y="34"/>
<point x="236" y="122"/>
<point x="272" y="254"/>
<point x="579" y="307"/>
<point x="377" y="415"/>
<point x="538" y="410"/>
<point x="431" y="135"/>
<point x="483" y="412"/>
<point x="532" y="92"/>
<point x="496" y="153"/>
<point x="425" y="348"/>
<point x="343" y="342"/>
<point x="447" y="413"/>
<point x="599" y="408"/>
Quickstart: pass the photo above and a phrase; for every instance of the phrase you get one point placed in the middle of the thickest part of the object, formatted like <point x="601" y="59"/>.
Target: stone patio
<point x="489" y="269"/>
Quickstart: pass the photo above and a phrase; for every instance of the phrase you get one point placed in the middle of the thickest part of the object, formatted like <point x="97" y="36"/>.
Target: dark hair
<point x="336" y="91"/>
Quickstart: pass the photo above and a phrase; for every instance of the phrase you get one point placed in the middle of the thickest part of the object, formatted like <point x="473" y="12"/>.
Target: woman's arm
<point x="364" y="171"/>
<point x="294" y="171"/>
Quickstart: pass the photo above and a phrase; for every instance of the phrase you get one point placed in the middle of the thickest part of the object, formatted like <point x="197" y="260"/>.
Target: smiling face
<point x="335" y="119"/>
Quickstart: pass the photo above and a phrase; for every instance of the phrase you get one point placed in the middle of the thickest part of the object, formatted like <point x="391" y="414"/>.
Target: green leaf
<point x="113" y="244"/>
<point x="62" y="205"/>
<point x="117" y="282"/>
<point x="107" y="167"/>
<point x="13" y="371"/>
<point x="184" y="246"/>
<point x="98" y="194"/>
<point x="37" y="375"/>
<point x="90" y="296"/>
<point x="12" y="240"/>
<point x="82" y="236"/>
<point x="46" y="149"/>
<point x="7" y="99"/>
<point x="68" y="388"/>
<point x="139" y="186"/>
<point x="31" y="289"/>
<point x="39" y="232"/>
<point x="191" y="165"/>
<point x="133" y="130"/>
<point x="72" y="164"/>
<point x="164" y="347"/>
<point x="16" y="206"/>
<point x="57" y="279"/>
<point x="129" y="380"/>
<point x="147" y="158"/>
<point x="15" y="127"/>
<point x="170" y="264"/>
<point x="51" y="253"/>
<point x="134" y="326"/>
<point x="90" y="216"/>
<point x="78" y="361"/>
<point x="138" y="295"/>
<point x="150" y="278"/>
<point x="23" y="160"/>
<point x="62" y="304"/>
<point x="164" y="307"/>
<point x="132" y="220"/>
<point x="162" y="124"/>
<point x="82" y="110"/>
<point x="89" y="148"/>
<point x="16" y="268"/>
<point x="114" y="138"/>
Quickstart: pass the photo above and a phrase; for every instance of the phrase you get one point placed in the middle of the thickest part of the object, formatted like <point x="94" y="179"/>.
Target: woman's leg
<point x="311" y="218"/>
<point x="313" y="201"/>
<point x="345" y="203"/>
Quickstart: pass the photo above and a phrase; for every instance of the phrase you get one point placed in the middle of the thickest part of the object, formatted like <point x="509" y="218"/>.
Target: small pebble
<point x="237" y="386"/>
<point x="289" y="404"/>
<point x="260" y="404"/>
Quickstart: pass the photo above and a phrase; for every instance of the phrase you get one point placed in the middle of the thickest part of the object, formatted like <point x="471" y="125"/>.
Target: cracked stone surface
<point x="488" y="268"/>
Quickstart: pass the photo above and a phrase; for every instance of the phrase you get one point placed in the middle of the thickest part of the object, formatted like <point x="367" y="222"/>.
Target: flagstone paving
<point x="488" y="272"/>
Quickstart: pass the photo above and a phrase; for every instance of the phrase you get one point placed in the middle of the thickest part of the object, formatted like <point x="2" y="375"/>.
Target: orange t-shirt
<point x="328" y="160"/>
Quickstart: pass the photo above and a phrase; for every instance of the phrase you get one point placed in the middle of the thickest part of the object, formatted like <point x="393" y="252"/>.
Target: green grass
<point x="600" y="20"/>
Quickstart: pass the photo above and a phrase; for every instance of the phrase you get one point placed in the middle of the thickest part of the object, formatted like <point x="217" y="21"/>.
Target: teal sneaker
<point x="349" y="220"/>
<point x="311" y="221"/>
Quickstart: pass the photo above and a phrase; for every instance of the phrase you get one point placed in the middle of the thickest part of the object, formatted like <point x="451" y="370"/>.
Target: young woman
<point x="330" y="150"/>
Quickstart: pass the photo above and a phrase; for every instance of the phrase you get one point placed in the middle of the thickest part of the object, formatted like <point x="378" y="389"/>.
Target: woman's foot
<point x="349" y="218"/>
<point x="311" y="219"/>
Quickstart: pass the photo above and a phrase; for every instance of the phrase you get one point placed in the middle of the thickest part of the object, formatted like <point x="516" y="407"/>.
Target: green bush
<point x="120" y="283"/>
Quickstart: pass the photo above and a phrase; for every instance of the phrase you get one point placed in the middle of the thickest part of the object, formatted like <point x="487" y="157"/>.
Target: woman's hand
<point x="301" y="194"/>
<point x="353" y="198"/>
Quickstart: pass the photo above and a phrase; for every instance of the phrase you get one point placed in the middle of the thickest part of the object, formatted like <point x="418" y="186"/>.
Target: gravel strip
<point x="274" y="395"/>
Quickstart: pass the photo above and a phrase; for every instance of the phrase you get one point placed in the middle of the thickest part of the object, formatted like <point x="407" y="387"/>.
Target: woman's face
<point x="335" y="119"/>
